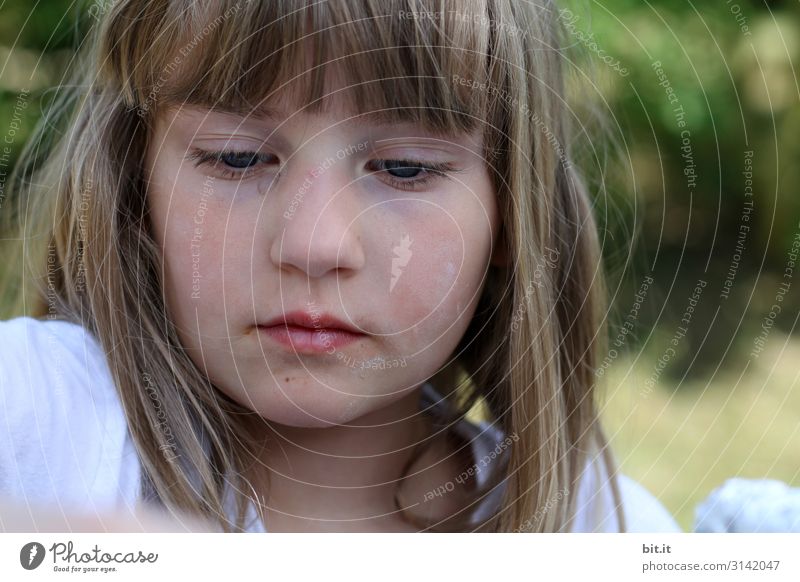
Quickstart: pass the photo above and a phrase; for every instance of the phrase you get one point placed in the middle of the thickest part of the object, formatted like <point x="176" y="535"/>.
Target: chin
<point x="297" y="419"/>
<point x="309" y="406"/>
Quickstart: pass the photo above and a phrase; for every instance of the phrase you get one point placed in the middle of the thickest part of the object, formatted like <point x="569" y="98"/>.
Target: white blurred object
<point x="750" y="505"/>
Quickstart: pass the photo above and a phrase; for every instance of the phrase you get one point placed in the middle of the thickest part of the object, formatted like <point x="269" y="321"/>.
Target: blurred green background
<point x="694" y="95"/>
<point x="712" y="409"/>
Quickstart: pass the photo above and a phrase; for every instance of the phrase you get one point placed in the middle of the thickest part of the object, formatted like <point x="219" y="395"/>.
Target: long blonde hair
<point x="530" y="352"/>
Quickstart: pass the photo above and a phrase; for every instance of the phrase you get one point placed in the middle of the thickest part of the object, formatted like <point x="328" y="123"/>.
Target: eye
<point x="411" y="174"/>
<point x="231" y="164"/>
<point x="402" y="169"/>
<point x="239" y="159"/>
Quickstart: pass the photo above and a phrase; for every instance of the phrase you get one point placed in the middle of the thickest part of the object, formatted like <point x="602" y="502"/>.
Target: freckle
<point x="287" y="379"/>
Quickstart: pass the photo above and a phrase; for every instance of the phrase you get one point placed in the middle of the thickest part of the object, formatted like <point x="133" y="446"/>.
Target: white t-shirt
<point x="65" y="439"/>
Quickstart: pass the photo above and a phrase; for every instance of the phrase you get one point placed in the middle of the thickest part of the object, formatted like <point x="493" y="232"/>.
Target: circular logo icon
<point x="31" y="555"/>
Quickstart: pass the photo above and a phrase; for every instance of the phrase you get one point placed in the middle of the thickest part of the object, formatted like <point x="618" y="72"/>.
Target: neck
<point x="343" y="477"/>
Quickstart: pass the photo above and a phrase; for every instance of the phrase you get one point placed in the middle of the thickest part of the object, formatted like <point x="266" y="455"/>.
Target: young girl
<point x="314" y="267"/>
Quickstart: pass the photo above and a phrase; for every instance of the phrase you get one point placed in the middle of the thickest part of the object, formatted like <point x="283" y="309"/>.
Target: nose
<point x="320" y="219"/>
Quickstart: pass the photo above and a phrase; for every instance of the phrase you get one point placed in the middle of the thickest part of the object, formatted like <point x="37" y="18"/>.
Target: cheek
<point x="443" y="276"/>
<point x="190" y="226"/>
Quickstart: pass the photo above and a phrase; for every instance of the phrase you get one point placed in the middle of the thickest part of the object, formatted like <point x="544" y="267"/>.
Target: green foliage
<point x="723" y="69"/>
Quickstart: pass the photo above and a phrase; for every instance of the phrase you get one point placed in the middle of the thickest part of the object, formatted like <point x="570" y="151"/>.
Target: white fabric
<point x="643" y="513"/>
<point x="65" y="439"/>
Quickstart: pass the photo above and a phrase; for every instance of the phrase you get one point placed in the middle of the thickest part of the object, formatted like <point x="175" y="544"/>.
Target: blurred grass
<point x="682" y="443"/>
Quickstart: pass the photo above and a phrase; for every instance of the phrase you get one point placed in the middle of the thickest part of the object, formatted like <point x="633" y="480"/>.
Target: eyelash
<point x="434" y="170"/>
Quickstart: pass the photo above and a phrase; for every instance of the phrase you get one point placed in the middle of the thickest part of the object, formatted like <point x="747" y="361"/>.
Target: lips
<point x="311" y="320"/>
<point x="310" y="331"/>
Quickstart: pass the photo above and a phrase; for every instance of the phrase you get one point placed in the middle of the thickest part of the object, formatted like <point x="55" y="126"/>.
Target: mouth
<point x="310" y="332"/>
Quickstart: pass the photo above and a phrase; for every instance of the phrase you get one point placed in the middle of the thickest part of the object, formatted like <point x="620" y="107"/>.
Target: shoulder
<point x="45" y="364"/>
<point x="26" y="341"/>
<point x="596" y="509"/>
<point x="61" y="421"/>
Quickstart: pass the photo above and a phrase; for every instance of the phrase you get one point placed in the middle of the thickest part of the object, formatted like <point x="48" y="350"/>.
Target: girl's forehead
<point x="337" y="59"/>
<point x="342" y="59"/>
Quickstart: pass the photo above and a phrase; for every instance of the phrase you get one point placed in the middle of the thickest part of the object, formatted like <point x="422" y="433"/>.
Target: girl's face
<point x="322" y="215"/>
